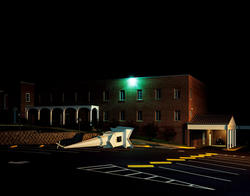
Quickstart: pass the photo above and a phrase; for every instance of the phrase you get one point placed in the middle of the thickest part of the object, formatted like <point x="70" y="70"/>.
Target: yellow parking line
<point x="187" y="158"/>
<point x="187" y="147"/>
<point x="142" y="146"/>
<point x="198" y="156"/>
<point x="175" y="159"/>
<point x="14" y="146"/>
<point x="140" y="166"/>
<point x="160" y="162"/>
<point x="211" y="153"/>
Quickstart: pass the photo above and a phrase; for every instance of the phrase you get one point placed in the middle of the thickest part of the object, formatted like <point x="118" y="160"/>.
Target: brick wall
<point x="26" y="87"/>
<point x="34" y="137"/>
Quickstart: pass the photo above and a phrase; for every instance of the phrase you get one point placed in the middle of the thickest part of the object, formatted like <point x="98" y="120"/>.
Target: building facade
<point x="166" y="102"/>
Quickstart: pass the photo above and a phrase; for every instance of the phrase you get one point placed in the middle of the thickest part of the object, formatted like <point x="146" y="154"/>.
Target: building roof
<point x="211" y="119"/>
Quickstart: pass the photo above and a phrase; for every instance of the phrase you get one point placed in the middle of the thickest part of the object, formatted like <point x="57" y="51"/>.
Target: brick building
<point x="168" y="102"/>
<point x="175" y="104"/>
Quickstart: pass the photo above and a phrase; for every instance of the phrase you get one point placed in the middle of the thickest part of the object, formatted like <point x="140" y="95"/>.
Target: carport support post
<point x="188" y="137"/>
<point x="235" y="137"/>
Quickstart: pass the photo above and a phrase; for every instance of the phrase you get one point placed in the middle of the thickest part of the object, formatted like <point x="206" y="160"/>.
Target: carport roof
<point x="211" y="119"/>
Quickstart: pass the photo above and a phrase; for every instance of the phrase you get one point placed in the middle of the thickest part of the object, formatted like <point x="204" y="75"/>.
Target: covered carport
<point x="212" y="130"/>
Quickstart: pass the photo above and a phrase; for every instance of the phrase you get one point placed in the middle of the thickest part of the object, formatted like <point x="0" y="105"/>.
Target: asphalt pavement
<point x="47" y="170"/>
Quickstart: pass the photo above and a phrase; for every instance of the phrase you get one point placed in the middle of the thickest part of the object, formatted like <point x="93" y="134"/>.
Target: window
<point x="177" y="94"/>
<point x="177" y="115"/>
<point x="157" y="115"/>
<point x="139" y="94"/>
<point x="105" y="95"/>
<point x="122" y="95"/>
<point x="105" y="116"/>
<point x="122" y="116"/>
<point x="27" y="97"/>
<point x="119" y="139"/>
<point x="157" y="94"/>
<point x="139" y="116"/>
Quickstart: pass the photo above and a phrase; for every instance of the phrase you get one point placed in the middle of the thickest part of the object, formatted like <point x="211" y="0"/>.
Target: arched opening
<point x="94" y="117"/>
<point x="70" y="118"/>
<point x="33" y="115"/>
<point x="45" y="117"/>
<point x="57" y="117"/>
<point x="83" y="119"/>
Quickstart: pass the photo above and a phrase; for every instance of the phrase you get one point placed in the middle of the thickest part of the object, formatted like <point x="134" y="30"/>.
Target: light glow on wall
<point x="132" y="82"/>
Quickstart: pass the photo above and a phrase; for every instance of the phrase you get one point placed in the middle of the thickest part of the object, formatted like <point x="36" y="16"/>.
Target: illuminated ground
<point x="44" y="169"/>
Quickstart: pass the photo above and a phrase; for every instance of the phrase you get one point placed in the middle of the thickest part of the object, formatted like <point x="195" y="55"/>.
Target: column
<point x="77" y="113"/>
<point x="227" y="132"/>
<point x="97" y="113"/>
<point x="229" y="138"/>
<point x="38" y="114"/>
<point x="26" y="113"/>
<point x="90" y="116"/>
<point x="188" y="138"/>
<point x="51" y="117"/>
<point x="235" y="137"/>
<point x="63" y="116"/>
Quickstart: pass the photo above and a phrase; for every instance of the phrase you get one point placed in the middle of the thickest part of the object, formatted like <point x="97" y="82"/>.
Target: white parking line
<point x="181" y="171"/>
<point x="137" y="175"/>
<point x="205" y="168"/>
<point x="206" y="163"/>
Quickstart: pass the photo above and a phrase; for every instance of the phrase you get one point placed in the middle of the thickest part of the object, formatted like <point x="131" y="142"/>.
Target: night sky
<point x="211" y="46"/>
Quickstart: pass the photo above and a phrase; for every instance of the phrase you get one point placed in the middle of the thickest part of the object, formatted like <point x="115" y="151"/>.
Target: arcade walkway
<point x="91" y="108"/>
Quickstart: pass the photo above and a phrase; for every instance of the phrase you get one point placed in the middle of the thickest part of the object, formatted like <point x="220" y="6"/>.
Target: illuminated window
<point x="177" y="115"/>
<point x="177" y="94"/>
<point x="122" y="95"/>
<point x="27" y="97"/>
<point x="139" y="94"/>
<point x="139" y="116"/>
<point x="157" y="115"/>
<point x="157" y="94"/>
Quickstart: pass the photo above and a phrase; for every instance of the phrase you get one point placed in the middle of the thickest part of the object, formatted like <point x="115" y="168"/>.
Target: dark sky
<point x="212" y="45"/>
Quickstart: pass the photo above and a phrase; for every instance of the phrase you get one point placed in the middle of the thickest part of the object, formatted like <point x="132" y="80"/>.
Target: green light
<point x="132" y="82"/>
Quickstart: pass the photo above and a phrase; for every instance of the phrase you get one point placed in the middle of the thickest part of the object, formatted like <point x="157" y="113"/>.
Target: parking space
<point x="208" y="171"/>
<point x="151" y="169"/>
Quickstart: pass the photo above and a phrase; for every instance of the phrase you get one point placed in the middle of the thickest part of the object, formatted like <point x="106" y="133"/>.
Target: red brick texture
<point x="36" y="138"/>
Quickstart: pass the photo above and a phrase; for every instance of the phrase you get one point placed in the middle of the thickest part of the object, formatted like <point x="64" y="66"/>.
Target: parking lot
<point x="204" y="171"/>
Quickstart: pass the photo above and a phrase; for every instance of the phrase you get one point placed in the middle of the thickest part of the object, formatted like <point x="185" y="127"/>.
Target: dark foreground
<point x="37" y="170"/>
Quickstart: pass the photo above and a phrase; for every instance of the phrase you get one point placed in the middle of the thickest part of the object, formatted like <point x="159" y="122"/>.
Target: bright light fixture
<point x="132" y="81"/>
